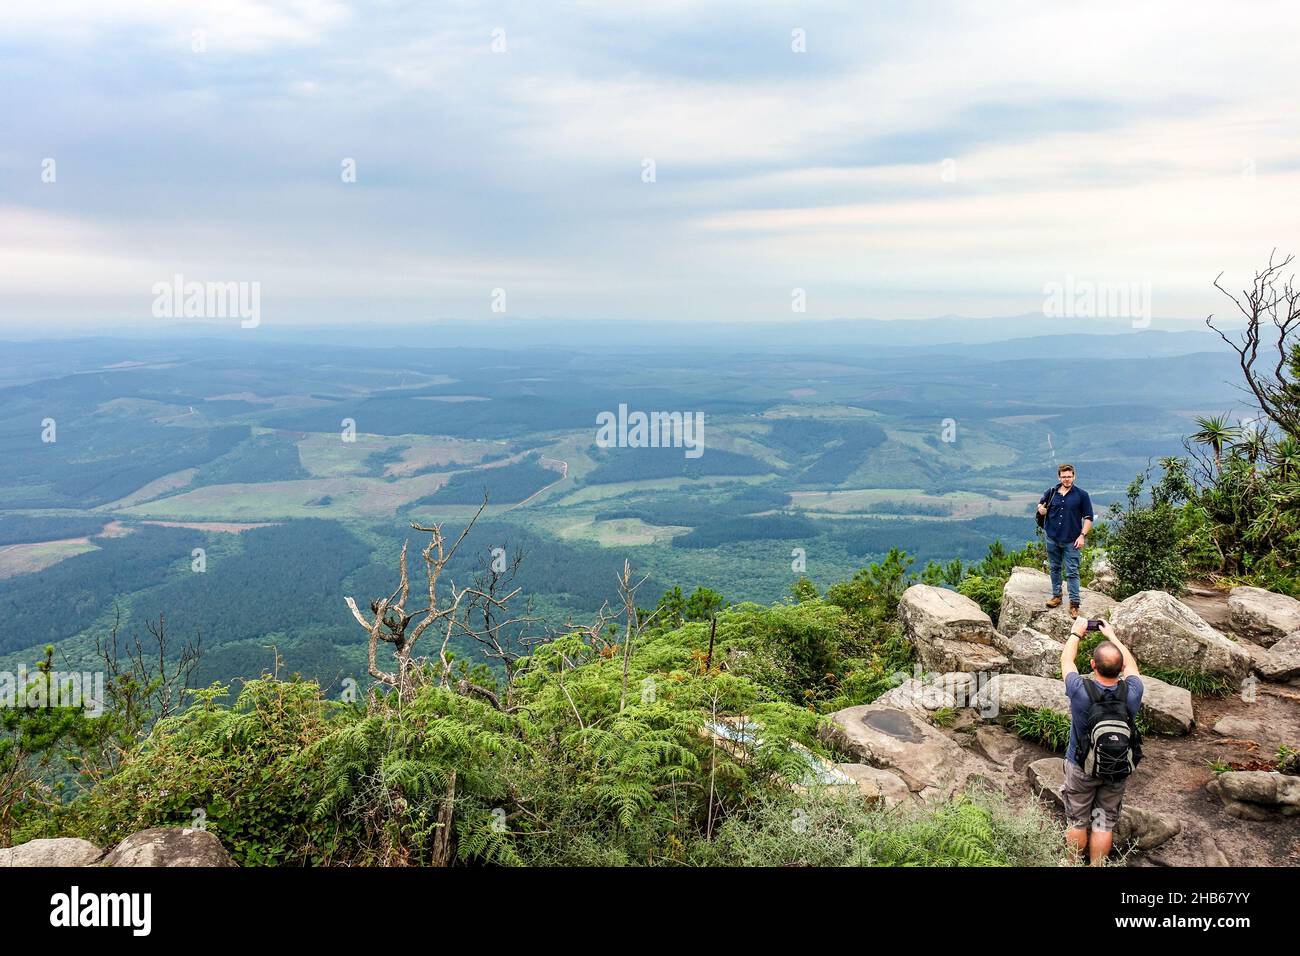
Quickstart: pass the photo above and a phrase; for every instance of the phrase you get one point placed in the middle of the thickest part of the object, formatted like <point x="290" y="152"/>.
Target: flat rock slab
<point x="1024" y="598"/>
<point x="1162" y="631"/>
<point x="1237" y="728"/>
<point x="1264" y="616"/>
<point x="933" y="766"/>
<point x="61" y="851"/>
<point x="169" y="846"/>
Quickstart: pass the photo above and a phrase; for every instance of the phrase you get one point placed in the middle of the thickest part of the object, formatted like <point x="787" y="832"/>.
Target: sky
<point x="613" y="160"/>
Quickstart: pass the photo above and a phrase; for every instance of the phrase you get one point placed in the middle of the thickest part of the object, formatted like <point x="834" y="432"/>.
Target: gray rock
<point x="1281" y="662"/>
<point x="1168" y="709"/>
<point x="1238" y="728"/>
<point x="1006" y="693"/>
<point x="876" y="785"/>
<point x="1024" y="598"/>
<point x="1160" y="630"/>
<point x="949" y="630"/>
<point x="1251" y="793"/>
<point x="61" y="851"/>
<point x="1264" y="616"/>
<point x="1030" y="652"/>
<point x="1211" y="855"/>
<point x="1046" y="778"/>
<point x="1143" y="829"/>
<point x="998" y="745"/>
<point x="967" y="657"/>
<point x="169" y="846"/>
<point x="932" y="765"/>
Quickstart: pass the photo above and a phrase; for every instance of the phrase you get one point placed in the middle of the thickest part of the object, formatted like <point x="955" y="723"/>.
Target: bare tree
<point x="392" y="623"/>
<point x="633" y="623"/>
<point x="1272" y="300"/>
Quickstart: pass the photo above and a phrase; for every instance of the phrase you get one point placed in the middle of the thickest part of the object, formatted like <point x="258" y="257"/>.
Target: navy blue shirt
<point x="1064" y="522"/>
<point x="1081" y="703"/>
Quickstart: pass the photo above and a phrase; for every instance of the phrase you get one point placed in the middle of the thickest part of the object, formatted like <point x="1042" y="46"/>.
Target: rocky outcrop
<point x="169" y="846"/>
<point x="1164" y="632"/>
<point x="1257" y="794"/>
<point x="1030" y="652"/>
<point x="949" y="630"/>
<point x="932" y="765"/>
<point x="1024" y="598"/>
<point x="1281" y="662"/>
<point x="62" y="851"/>
<point x="1136" y="828"/>
<point x="1263" y="616"/>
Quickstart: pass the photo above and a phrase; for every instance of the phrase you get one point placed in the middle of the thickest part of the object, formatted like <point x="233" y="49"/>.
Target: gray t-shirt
<point x="1081" y="703"/>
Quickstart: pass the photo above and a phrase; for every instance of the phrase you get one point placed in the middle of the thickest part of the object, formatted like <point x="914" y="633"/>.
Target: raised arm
<point x="1071" y="649"/>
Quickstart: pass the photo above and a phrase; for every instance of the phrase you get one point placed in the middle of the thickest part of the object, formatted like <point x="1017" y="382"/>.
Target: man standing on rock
<point x="1067" y="519"/>
<point x="1104" y="742"/>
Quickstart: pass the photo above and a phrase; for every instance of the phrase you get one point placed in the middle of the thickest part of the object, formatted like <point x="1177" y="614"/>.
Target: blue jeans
<point x="1056" y="552"/>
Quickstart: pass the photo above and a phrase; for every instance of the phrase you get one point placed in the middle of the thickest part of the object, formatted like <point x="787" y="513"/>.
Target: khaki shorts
<point x="1090" y="803"/>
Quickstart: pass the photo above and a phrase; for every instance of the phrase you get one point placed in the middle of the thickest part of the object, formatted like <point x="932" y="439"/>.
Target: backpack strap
<point x="1094" y="692"/>
<point x="1121" y="691"/>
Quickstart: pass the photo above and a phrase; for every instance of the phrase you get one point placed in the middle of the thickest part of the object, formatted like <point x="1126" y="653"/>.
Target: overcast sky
<point x="918" y="159"/>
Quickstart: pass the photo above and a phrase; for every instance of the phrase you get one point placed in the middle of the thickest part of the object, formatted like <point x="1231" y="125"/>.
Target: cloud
<point x="915" y="160"/>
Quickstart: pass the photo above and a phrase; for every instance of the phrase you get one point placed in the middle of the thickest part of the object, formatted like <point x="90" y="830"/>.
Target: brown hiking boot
<point x="1074" y="609"/>
<point x="1055" y="601"/>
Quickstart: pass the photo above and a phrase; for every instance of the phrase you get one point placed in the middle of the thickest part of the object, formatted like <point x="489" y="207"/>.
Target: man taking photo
<point x="1066" y="513"/>
<point x="1105" y="745"/>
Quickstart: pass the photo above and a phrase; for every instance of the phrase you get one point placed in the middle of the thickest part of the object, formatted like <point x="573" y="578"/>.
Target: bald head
<point x="1108" y="660"/>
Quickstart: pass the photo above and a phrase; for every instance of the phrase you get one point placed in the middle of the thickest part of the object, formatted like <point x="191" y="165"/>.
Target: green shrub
<point x="821" y="829"/>
<point x="1042" y="726"/>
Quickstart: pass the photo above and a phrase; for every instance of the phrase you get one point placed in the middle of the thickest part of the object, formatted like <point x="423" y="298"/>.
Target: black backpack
<point x="1112" y="744"/>
<point x="1045" y="500"/>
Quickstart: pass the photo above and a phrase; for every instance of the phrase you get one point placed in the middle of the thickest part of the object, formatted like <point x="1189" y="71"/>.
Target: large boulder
<point x="1257" y="794"/>
<point x="1264" y="616"/>
<point x="1167" y="708"/>
<point x="1281" y="662"/>
<point x="932" y="765"/>
<point x="1162" y="631"/>
<point x="949" y="630"/>
<point x="169" y="846"/>
<point x="1024" y="600"/>
<point x="1030" y="652"/>
<point x="1006" y="693"/>
<point x="61" y="851"/>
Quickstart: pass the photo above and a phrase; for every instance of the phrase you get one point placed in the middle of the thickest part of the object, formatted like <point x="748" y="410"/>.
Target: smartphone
<point x="1094" y="625"/>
